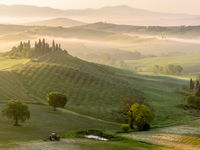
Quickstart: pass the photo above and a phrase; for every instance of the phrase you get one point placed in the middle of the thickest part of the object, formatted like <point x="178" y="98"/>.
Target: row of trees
<point x="137" y="112"/>
<point x="19" y="111"/>
<point x="41" y="47"/>
<point x="169" y="69"/>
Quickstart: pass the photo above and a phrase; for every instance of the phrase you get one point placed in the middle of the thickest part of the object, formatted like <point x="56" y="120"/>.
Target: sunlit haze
<point x="172" y="6"/>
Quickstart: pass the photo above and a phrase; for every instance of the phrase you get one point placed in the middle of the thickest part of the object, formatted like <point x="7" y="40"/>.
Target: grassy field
<point x="183" y="137"/>
<point x="92" y="90"/>
<point x="190" y="63"/>
<point x="45" y="121"/>
<point x="84" y="144"/>
<point x="6" y="63"/>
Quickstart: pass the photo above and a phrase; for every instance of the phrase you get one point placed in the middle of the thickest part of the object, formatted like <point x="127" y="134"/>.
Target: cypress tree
<point x="56" y="46"/>
<point x="21" y="46"/>
<point x="197" y="84"/>
<point x="53" y="46"/>
<point x="47" y="47"/>
<point x="191" y="84"/>
<point x="39" y="45"/>
<point x="29" y="44"/>
<point x="197" y="92"/>
<point x="43" y="45"/>
<point x="35" y="45"/>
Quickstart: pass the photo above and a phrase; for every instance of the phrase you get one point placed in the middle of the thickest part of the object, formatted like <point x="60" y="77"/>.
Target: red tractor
<point x="54" y="137"/>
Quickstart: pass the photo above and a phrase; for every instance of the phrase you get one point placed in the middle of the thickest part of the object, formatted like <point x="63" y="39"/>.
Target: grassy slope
<point x="160" y="93"/>
<point x="92" y="89"/>
<point x="9" y="63"/>
<point x="44" y="121"/>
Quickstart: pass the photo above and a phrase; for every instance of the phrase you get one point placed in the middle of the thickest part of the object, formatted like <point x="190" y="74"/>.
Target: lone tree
<point x="17" y="111"/>
<point x="141" y="116"/>
<point x="127" y="102"/>
<point x="56" y="99"/>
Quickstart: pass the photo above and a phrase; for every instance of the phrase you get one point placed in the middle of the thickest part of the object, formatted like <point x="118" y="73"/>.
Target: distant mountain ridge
<point x="64" y="22"/>
<point x="114" y="14"/>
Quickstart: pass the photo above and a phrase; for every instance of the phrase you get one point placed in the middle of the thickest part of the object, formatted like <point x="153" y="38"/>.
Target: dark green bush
<point x="194" y="102"/>
<point x="125" y="127"/>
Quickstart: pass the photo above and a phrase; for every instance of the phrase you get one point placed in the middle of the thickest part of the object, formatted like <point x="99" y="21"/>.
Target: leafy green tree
<point x="141" y="116"/>
<point x="56" y="99"/>
<point x="158" y="69"/>
<point x="127" y="102"/>
<point x="17" y="111"/>
<point x="169" y="69"/>
<point x="178" y="69"/>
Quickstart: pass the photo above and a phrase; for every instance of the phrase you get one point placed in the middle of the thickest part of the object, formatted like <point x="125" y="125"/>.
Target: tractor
<point x="54" y="137"/>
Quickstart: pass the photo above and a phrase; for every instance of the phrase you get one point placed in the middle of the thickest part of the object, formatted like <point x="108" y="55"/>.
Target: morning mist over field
<point x="99" y="75"/>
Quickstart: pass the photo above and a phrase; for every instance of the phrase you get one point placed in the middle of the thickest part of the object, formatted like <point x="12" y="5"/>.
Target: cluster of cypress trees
<point x="24" y="45"/>
<point x="195" y="87"/>
<point x="41" y="47"/>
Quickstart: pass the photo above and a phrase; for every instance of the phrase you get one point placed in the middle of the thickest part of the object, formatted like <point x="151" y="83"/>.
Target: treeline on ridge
<point x="41" y="47"/>
<point x="169" y="69"/>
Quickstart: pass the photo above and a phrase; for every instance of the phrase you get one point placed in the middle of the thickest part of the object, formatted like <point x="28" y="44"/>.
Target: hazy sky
<point x="173" y="6"/>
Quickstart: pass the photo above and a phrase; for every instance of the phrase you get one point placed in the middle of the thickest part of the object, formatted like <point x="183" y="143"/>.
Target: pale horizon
<point x="171" y="6"/>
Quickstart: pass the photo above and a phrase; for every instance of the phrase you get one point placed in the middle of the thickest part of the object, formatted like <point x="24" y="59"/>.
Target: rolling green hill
<point x="182" y="31"/>
<point x="93" y="90"/>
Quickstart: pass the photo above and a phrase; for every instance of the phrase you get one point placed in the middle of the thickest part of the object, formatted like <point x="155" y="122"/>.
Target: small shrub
<point x="194" y="102"/>
<point x="125" y="127"/>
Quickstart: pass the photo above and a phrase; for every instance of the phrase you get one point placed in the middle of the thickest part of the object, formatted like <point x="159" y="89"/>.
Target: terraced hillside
<point x="92" y="89"/>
